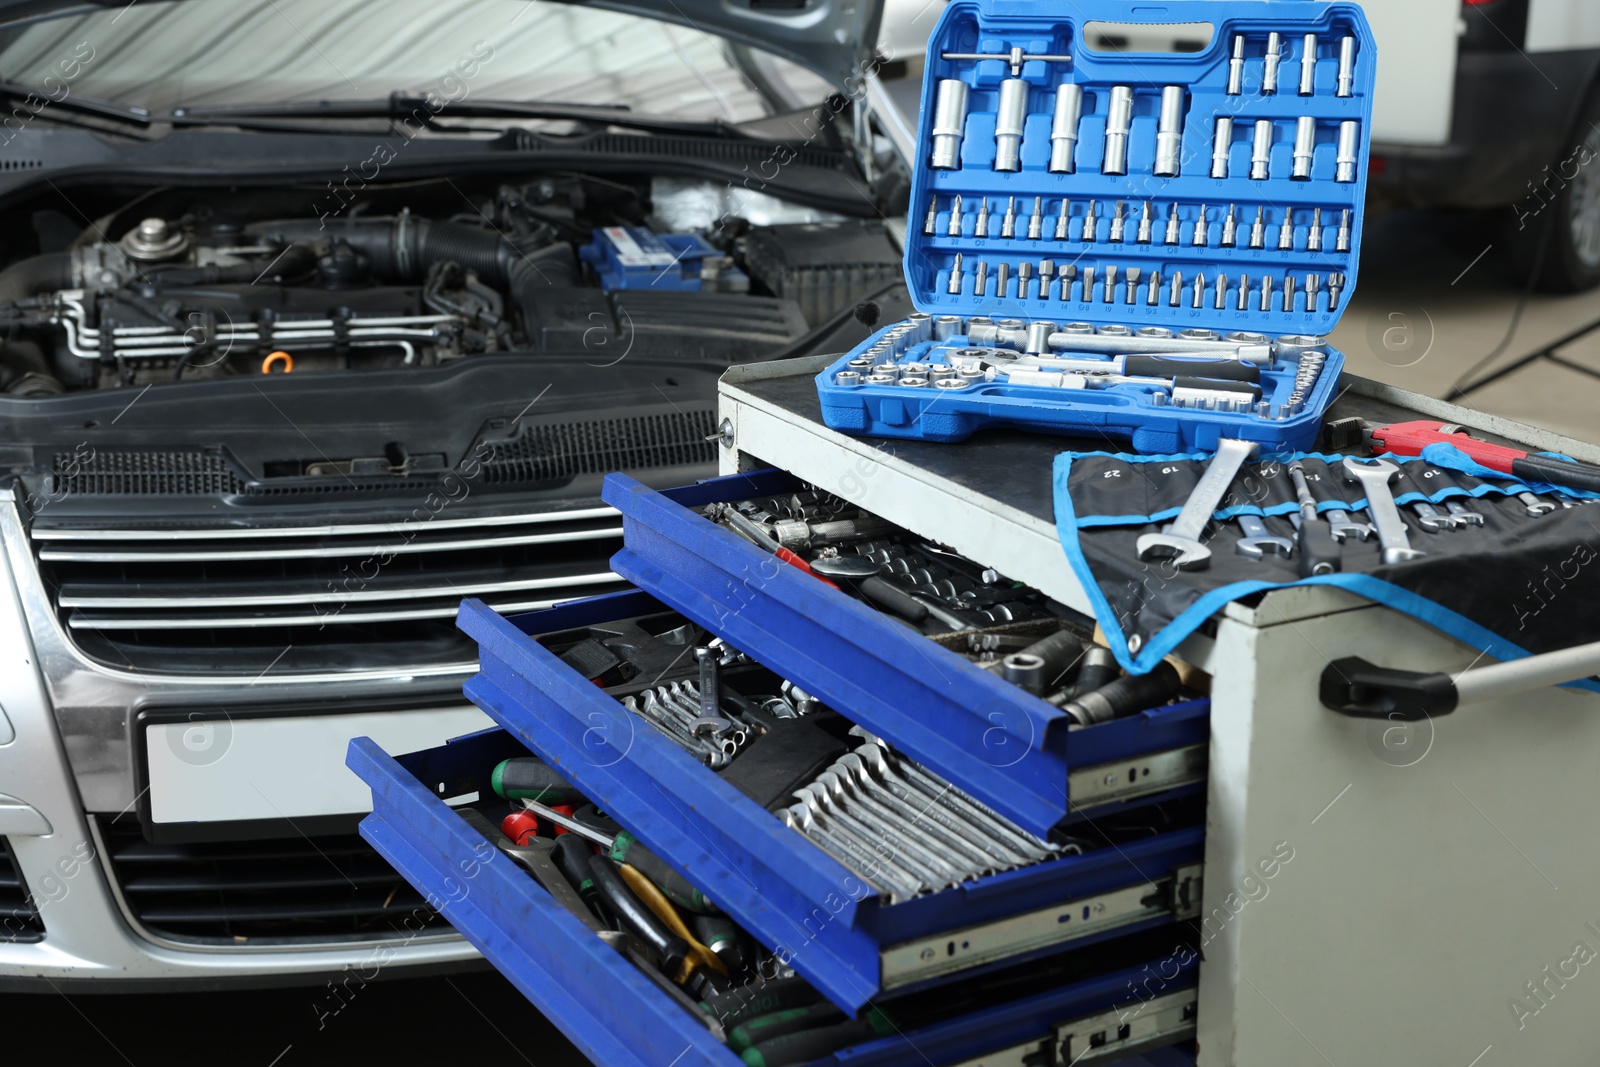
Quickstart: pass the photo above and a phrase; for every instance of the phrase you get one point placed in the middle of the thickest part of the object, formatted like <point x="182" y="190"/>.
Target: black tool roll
<point x="1516" y="584"/>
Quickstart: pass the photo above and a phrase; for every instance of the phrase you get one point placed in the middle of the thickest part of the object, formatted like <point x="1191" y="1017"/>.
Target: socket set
<point x="1170" y="196"/>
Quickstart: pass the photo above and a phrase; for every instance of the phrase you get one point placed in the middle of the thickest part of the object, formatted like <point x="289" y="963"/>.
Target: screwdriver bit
<point x="1172" y="225"/>
<point x="1088" y="285"/>
<point x="1201" y="231"/>
<point x="1111" y="284"/>
<point x="1230" y="229"/>
<point x="1133" y="285"/>
<point x="1119" y="223"/>
<point x="955" y="216"/>
<point x="1089" y="223"/>
<point x="1288" y="293"/>
<point x="1286" y="232"/>
<point x="1266" y="293"/>
<point x="980" y="279"/>
<point x="1036" y="220"/>
<point x="1064" y="220"/>
<point x="1146" y="220"/>
<point x="933" y="215"/>
<point x="1222" y="292"/>
<point x="1002" y="275"/>
<point x="981" y="228"/>
<point x="1154" y="296"/>
<point x="954" y="288"/>
<point x="1314" y="234"/>
<point x="1069" y="274"/>
<point x="1024" y="276"/>
<point x="1008" y="224"/>
<point x="1244" y="292"/>
<point x="1177" y="288"/>
<point x="1258" y="229"/>
<point x="1342" y="244"/>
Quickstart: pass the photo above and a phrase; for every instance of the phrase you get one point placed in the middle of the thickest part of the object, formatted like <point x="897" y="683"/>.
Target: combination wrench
<point x="1258" y="540"/>
<point x="1374" y="478"/>
<point x="1180" y="541"/>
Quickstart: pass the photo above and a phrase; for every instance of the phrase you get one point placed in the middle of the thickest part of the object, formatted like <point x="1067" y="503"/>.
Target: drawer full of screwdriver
<point x="613" y="952"/>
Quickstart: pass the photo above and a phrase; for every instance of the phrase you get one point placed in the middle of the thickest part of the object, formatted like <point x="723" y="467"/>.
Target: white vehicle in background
<point x="1494" y="104"/>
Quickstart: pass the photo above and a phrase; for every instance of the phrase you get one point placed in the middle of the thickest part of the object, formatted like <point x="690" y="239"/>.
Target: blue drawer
<point x="784" y="890"/>
<point x="1008" y="748"/>
<point x="620" y="1018"/>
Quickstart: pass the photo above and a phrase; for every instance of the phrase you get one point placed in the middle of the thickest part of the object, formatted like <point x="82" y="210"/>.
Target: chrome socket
<point x="1221" y="141"/>
<point x="1064" y="129"/>
<point x="1010" y="114"/>
<point x="1261" y="151"/>
<point x="1236" y="68"/>
<point x="1308" y="66"/>
<point x="1169" y="133"/>
<point x="1347" y="66"/>
<point x="1305" y="144"/>
<point x="1118" y="120"/>
<point x="847" y="378"/>
<point x="1269" y="72"/>
<point x="949" y="122"/>
<point x="1349" y="146"/>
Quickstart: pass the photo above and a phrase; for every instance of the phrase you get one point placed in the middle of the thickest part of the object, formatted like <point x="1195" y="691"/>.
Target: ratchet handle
<point x="1232" y="370"/>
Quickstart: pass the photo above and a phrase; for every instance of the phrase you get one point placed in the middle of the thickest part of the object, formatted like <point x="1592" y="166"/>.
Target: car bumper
<point x="1513" y="116"/>
<point x="81" y="933"/>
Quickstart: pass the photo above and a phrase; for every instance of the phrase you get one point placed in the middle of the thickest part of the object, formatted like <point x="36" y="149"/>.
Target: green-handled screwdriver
<point x="625" y="848"/>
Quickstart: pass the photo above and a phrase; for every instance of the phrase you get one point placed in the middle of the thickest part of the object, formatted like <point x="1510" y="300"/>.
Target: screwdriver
<point x="734" y="1006"/>
<point x="623" y="847"/>
<point x="807" y="1045"/>
<point x="698" y="955"/>
<point x="530" y="778"/>
<point x="778" y="1024"/>
<point x="671" y="952"/>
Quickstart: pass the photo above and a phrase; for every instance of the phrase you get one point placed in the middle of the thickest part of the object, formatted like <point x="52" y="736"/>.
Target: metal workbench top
<point x="990" y="497"/>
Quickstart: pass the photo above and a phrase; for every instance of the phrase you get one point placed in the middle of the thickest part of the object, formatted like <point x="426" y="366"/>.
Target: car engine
<point x="190" y="284"/>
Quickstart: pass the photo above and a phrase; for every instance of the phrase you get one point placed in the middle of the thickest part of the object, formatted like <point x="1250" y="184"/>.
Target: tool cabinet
<point x="1384" y="834"/>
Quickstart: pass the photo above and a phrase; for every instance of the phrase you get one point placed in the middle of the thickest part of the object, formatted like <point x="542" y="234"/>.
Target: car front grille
<point x="302" y="889"/>
<point x="19" y="918"/>
<point x="313" y="598"/>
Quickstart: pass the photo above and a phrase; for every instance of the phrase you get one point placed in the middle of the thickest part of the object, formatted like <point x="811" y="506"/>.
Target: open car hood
<point x="834" y="38"/>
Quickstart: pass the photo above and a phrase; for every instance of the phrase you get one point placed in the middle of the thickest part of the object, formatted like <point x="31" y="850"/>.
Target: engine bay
<point x="179" y="284"/>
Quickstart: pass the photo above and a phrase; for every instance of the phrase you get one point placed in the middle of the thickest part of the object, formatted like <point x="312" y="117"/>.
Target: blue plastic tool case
<point x="604" y="1004"/>
<point x="1312" y="148"/>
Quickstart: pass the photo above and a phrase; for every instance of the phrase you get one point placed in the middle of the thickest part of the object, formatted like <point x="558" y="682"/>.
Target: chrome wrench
<point x="1258" y="540"/>
<point x="1463" y="515"/>
<point x="1374" y="478"/>
<point x="1180" y="540"/>
<point x="1345" y="526"/>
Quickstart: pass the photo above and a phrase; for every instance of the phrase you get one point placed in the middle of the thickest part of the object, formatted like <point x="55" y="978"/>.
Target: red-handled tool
<point x="1410" y="438"/>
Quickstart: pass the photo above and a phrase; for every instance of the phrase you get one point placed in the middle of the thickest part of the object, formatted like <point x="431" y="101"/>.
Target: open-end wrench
<point x="1374" y="478"/>
<point x="1429" y="518"/>
<point x="1463" y="514"/>
<point x="1535" y="507"/>
<point x="1345" y="526"/>
<point x="1258" y="540"/>
<point x="1180" y="541"/>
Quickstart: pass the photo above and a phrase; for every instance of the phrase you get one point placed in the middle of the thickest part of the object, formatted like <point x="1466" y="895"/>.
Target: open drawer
<point x="1120" y="1003"/>
<point x="826" y="922"/>
<point x="1010" y="749"/>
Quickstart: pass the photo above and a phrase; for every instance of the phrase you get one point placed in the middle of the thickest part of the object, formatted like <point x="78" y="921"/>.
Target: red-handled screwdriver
<point x="1410" y="438"/>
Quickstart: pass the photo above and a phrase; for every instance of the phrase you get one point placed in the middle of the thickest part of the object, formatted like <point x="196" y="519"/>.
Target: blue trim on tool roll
<point x="1162" y="644"/>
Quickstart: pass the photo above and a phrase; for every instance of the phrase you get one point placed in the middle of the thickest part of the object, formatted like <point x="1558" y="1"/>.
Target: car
<point x="319" y="316"/>
<point x="1495" y="105"/>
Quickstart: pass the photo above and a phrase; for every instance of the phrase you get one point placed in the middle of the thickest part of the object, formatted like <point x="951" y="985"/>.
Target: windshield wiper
<point x="131" y="114"/>
<point x="404" y="105"/>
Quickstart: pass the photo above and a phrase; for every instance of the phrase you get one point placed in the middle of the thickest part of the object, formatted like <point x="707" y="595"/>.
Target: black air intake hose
<point x="293" y="262"/>
<point x="404" y="247"/>
<point x="36" y="274"/>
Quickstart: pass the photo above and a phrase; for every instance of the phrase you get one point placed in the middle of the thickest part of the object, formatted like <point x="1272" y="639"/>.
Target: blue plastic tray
<point x="790" y="894"/>
<point x="604" y="1005"/>
<point x="991" y="27"/>
<point x="1008" y="748"/>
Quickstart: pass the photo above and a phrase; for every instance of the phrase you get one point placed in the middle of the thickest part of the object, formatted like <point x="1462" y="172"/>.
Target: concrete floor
<point x="1427" y="308"/>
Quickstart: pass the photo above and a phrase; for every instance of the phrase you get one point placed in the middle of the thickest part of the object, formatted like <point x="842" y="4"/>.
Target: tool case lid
<point x="997" y="27"/>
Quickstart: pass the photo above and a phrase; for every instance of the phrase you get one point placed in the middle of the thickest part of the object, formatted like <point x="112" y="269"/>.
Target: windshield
<point x="166" y="53"/>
